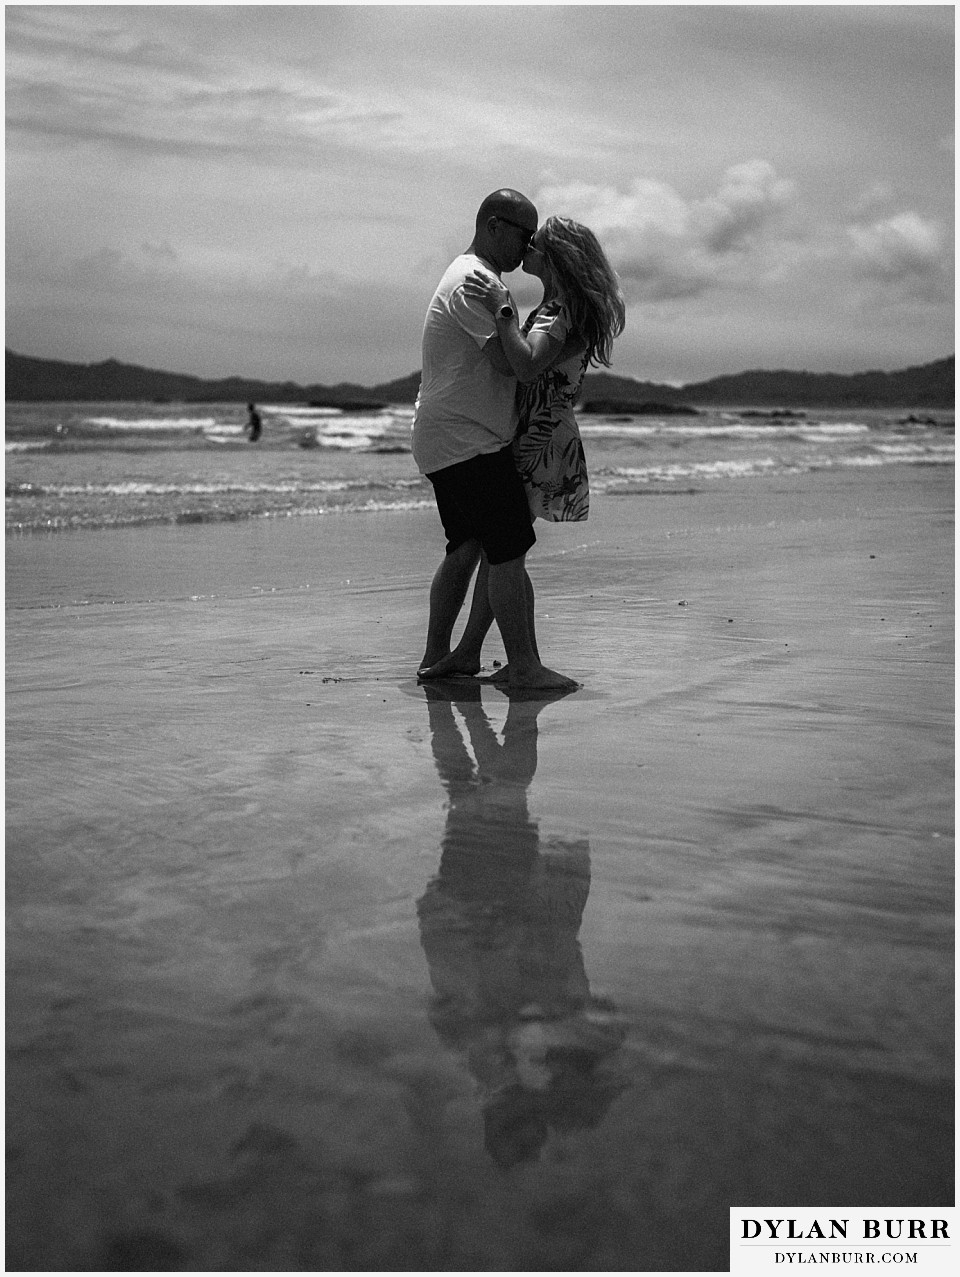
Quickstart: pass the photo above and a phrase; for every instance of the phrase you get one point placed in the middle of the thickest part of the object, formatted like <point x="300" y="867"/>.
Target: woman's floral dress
<point x="547" y="449"/>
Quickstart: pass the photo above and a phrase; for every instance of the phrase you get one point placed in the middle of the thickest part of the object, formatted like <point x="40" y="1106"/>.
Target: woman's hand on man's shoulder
<point x="486" y="289"/>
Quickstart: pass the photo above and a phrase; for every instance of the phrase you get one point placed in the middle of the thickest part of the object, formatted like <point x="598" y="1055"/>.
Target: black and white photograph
<point x="479" y="608"/>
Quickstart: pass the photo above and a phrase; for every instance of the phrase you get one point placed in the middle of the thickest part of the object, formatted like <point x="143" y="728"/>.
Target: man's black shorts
<point x="484" y="498"/>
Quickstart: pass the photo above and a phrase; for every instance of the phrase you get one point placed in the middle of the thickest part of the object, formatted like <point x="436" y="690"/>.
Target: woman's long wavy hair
<point x="587" y="282"/>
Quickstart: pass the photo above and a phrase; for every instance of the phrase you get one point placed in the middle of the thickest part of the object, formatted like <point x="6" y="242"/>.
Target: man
<point x="464" y="423"/>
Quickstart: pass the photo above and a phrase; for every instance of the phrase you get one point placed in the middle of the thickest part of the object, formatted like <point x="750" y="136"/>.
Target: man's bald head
<point x="506" y="222"/>
<point x="508" y="204"/>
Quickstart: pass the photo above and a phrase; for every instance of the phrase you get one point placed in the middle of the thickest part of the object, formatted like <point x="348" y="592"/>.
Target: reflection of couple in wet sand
<point x="499" y="925"/>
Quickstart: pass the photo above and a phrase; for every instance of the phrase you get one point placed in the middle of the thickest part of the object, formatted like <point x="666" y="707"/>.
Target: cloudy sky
<point x="275" y="190"/>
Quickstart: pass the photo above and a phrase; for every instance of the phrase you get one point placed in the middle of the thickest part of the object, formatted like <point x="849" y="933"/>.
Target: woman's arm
<point x="527" y="356"/>
<point x="494" y="352"/>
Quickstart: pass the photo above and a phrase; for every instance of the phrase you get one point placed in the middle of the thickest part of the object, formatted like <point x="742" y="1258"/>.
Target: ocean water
<point x="75" y="465"/>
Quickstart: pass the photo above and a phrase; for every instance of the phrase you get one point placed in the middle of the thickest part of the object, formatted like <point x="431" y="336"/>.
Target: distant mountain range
<point x="928" y="386"/>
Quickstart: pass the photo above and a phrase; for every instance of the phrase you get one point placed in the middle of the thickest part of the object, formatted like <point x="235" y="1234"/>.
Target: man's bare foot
<point x="539" y="676"/>
<point x="448" y="666"/>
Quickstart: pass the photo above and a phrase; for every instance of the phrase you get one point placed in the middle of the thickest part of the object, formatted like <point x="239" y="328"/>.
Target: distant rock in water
<point x="348" y="405"/>
<point x="773" y="414"/>
<point x="648" y="408"/>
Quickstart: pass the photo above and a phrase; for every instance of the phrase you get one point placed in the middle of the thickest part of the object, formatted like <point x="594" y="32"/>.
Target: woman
<point x="582" y="311"/>
<point x="574" y="325"/>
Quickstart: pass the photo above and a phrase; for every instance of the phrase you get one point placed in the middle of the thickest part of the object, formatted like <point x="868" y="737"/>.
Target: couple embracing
<point x="494" y="429"/>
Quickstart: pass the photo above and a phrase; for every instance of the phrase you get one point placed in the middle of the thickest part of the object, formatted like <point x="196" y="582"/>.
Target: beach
<point x="311" y="967"/>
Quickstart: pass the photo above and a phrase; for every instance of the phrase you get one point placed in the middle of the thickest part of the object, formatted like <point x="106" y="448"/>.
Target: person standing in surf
<point x="254" y="425"/>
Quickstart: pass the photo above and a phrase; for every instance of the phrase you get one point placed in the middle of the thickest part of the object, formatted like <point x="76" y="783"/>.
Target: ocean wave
<point x="620" y="479"/>
<point x="151" y="423"/>
<point x="357" y="429"/>
<point x="878" y="459"/>
<point x="287" y="410"/>
<point x="905" y="451"/>
<point x="127" y="518"/>
<point x="608" y="481"/>
<point x="666" y="430"/>
<point x="224" y="428"/>
<point x="134" y="488"/>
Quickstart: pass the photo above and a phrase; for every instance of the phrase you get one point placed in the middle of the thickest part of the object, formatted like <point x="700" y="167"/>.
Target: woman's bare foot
<point x="450" y="665"/>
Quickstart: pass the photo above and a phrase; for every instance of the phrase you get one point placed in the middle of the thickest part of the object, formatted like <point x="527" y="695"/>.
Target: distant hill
<point x="928" y="386"/>
<point x="47" y="379"/>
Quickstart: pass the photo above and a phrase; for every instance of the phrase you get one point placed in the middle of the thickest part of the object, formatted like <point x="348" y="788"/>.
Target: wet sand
<point x="311" y="968"/>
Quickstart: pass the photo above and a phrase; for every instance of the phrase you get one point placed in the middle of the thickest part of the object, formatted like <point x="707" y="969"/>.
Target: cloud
<point x="872" y="202"/>
<point x="240" y="87"/>
<point x="273" y="125"/>
<point x="165" y="277"/>
<point x="102" y="271"/>
<point x="905" y="250"/>
<point x="749" y="200"/>
<point x="162" y="251"/>
<point x="667" y="247"/>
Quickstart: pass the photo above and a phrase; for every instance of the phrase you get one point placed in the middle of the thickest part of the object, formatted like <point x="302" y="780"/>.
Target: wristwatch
<point x="505" y="311"/>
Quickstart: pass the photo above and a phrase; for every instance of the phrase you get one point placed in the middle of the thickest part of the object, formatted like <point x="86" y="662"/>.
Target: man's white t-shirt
<point x="465" y="407"/>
